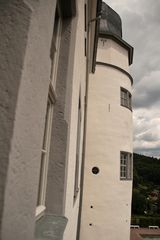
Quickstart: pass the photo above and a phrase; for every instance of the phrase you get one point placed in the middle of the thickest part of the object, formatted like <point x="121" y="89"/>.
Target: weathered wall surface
<point x="26" y="56"/>
<point x="78" y="88"/>
<point x="26" y="45"/>
<point x="107" y="200"/>
<point x="27" y="41"/>
<point x="13" y="31"/>
<point x="110" y="52"/>
<point x="61" y="120"/>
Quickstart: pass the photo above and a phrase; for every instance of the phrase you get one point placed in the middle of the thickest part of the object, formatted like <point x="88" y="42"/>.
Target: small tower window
<point x="125" y="166"/>
<point x="126" y="98"/>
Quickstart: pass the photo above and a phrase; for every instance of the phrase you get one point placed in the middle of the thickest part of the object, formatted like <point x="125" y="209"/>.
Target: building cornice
<point x="121" y="42"/>
<point x="117" y="68"/>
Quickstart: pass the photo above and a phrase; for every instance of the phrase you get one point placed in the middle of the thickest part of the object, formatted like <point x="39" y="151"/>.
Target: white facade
<point x="78" y="92"/>
<point x="106" y="206"/>
<point x="58" y="120"/>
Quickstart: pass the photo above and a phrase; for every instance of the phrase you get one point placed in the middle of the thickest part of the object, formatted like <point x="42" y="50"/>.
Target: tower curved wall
<point x="106" y="206"/>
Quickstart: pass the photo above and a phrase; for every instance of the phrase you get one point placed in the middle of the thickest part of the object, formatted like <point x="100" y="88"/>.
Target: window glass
<point x="44" y="158"/>
<point x="125" y="166"/>
<point x="76" y="183"/>
<point x="55" y="45"/>
<point x="126" y="98"/>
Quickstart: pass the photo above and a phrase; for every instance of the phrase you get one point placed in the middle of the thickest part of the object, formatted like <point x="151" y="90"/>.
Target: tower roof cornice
<point x="120" y="41"/>
<point x="111" y="28"/>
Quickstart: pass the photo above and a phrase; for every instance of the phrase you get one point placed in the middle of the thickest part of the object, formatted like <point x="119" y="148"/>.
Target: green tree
<point x="139" y="203"/>
<point x="136" y="178"/>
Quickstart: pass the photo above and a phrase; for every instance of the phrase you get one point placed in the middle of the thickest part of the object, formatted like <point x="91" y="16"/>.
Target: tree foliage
<point x="146" y="180"/>
<point x="146" y="169"/>
<point x="138" y="202"/>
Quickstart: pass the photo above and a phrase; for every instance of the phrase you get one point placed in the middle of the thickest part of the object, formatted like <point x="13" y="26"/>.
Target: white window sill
<point x="40" y="210"/>
<point x="50" y="227"/>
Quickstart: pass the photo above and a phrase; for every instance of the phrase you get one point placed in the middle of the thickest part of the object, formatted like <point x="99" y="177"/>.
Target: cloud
<point x="147" y="131"/>
<point x="140" y="21"/>
<point x="147" y="91"/>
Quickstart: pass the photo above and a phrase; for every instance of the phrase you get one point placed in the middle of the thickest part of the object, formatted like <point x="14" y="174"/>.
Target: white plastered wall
<point x="79" y="77"/>
<point x="109" y="131"/>
<point x="111" y="52"/>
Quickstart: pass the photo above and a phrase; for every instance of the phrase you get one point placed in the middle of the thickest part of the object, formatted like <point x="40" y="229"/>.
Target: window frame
<point x="126" y="165"/>
<point x="125" y="98"/>
<point x="85" y="26"/>
<point x="54" y="56"/>
<point x="78" y="146"/>
<point x="55" y="46"/>
<point x="44" y="162"/>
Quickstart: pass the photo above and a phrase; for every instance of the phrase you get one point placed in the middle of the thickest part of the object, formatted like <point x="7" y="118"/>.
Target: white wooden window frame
<point x="78" y="147"/>
<point x="56" y="47"/>
<point x="126" y="167"/>
<point x="126" y="98"/>
<point x="85" y="27"/>
<point x="40" y="209"/>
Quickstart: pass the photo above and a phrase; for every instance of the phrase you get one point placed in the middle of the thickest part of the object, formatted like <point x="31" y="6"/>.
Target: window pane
<point x="126" y="98"/>
<point x="76" y="182"/>
<point x="55" y="45"/>
<point x="126" y="165"/>
<point x="45" y="155"/>
<point x="55" y="35"/>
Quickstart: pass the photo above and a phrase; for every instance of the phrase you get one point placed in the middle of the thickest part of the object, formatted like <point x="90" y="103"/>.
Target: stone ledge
<point x="50" y="227"/>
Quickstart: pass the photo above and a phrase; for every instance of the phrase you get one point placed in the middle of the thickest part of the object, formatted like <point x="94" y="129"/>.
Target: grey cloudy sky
<point x="141" y="28"/>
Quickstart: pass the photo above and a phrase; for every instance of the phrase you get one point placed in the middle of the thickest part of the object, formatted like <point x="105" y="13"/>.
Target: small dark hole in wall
<point x="90" y="224"/>
<point x="95" y="170"/>
<point x="91" y="206"/>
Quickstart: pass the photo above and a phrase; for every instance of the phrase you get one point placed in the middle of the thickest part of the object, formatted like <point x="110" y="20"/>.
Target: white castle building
<point x="106" y="208"/>
<point x="66" y="121"/>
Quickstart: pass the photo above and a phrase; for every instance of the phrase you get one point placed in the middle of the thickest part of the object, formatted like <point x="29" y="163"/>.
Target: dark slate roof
<point x="110" y="21"/>
<point x="110" y="27"/>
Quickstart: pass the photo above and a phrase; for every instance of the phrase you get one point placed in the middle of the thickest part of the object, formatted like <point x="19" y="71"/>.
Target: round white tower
<point x="106" y="207"/>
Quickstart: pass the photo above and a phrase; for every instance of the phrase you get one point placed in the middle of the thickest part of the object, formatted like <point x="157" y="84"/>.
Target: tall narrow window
<point x="85" y="29"/>
<point x="55" y="44"/>
<point x="130" y="101"/>
<point x="44" y="159"/>
<point x="76" y="182"/>
<point x="126" y="98"/>
<point x="54" y="56"/>
<point x="85" y="17"/>
<point x="125" y="166"/>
